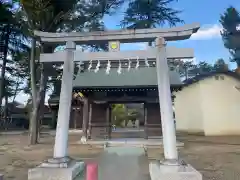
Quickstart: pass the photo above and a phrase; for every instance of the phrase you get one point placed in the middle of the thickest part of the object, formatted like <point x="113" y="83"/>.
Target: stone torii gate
<point x="54" y="166"/>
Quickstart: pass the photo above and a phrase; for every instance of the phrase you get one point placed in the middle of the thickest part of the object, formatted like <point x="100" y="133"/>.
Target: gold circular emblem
<point x="114" y="45"/>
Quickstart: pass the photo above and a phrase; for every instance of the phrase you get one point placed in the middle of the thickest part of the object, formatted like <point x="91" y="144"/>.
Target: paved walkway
<point x="122" y="163"/>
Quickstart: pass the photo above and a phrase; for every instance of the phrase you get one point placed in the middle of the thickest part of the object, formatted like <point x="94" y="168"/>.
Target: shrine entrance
<point x="136" y="120"/>
<point x="127" y="115"/>
<point x="103" y="106"/>
<point x="125" y="120"/>
<point x="106" y="71"/>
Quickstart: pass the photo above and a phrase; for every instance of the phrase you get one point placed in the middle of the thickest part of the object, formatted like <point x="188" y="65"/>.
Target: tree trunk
<point x="41" y="102"/>
<point x="33" y="73"/>
<point x="186" y="73"/>
<point x="38" y="102"/>
<point x="34" y="113"/>
<point x="43" y="87"/>
<point x="6" y="107"/>
<point x="38" y="109"/>
<point x="16" y="90"/>
<point x="5" y="39"/>
<point x="33" y="127"/>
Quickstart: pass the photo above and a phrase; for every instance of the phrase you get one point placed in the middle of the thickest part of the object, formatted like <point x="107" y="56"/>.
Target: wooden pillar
<point x="145" y="121"/>
<point x="76" y="116"/>
<point x="75" y="111"/>
<point x="85" y="117"/>
<point x="90" y="120"/>
<point x="71" y="118"/>
<point x="108" y="116"/>
<point x="54" y="112"/>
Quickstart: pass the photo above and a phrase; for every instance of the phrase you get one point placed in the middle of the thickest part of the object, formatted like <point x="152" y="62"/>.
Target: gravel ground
<point x="216" y="157"/>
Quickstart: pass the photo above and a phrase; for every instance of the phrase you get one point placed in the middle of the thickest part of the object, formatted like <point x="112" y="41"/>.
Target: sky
<point x="207" y="42"/>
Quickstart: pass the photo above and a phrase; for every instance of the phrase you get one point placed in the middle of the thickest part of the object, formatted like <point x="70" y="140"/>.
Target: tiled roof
<point x="207" y="75"/>
<point x="133" y="78"/>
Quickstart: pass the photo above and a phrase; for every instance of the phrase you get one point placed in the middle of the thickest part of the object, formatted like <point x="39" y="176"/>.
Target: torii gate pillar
<point x="171" y="167"/>
<point x="165" y="101"/>
<point x="61" y="138"/>
<point x="61" y="166"/>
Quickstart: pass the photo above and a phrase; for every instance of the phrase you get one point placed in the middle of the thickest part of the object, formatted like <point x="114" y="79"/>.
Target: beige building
<point x="210" y="105"/>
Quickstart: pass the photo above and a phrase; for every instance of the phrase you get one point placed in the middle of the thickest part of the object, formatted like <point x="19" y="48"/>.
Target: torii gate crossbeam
<point x="124" y="36"/>
<point x="150" y="54"/>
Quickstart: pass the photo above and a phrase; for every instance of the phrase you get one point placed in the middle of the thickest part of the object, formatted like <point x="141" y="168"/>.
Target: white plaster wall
<point x="210" y="106"/>
<point x="188" y="110"/>
<point x="221" y="103"/>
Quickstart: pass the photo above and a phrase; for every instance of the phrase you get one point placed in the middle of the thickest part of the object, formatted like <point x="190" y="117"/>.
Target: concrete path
<point x="128" y="163"/>
<point x="122" y="163"/>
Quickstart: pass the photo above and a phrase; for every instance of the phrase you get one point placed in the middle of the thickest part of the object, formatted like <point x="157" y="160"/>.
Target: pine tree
<point x="11" y="43"/>
<point x="150" y="14"/>
<point x="220" y="66"/>
<point x="57" y="16"/>
<point x="230" y="19"/>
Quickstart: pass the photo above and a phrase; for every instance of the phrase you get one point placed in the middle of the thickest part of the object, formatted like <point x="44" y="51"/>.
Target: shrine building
<point x="101" y="90"/>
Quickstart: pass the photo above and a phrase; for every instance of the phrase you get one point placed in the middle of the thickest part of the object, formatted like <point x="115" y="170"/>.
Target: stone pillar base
<point x="57" y="169"/>
<point x="160" y="171"/>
